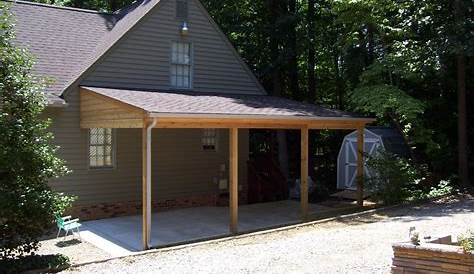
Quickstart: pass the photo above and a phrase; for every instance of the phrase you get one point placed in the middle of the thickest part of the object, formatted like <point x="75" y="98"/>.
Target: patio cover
<point x="120" y="108"/>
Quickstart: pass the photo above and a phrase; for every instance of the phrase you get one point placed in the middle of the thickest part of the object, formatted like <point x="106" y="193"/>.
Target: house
<point x="152" y="103"/>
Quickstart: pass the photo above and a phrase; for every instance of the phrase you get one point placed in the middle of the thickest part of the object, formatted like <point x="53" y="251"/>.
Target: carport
<point x="119" y="108"/>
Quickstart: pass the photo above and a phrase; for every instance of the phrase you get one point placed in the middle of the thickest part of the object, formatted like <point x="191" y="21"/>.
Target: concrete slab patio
<point x="122" y="235"/>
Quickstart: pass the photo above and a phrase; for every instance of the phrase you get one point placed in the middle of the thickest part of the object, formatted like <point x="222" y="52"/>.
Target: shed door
<point x="350" y="168"/>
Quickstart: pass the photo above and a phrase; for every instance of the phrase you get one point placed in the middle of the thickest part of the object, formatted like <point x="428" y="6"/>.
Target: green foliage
<point x="386" y="101"/>
<point x="27" y="158"/>
<point x="364" y="50"/>
<point x="393" y="106"/>
<point x="467" y="241"/>
<point x="45" y="263"/>
<point x="393" y="179"/>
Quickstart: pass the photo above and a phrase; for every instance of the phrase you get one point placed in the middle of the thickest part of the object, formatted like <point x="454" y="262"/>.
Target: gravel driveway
<point x="357" y="245"/>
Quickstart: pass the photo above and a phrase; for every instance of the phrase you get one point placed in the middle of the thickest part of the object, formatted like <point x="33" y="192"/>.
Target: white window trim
<point x="191" y="66"/>
<point x="114" y="151"/>
<point x="216" y="146"/>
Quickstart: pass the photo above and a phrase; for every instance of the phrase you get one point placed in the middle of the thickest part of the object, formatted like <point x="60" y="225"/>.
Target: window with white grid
<point x="209" y="139"/>
<point x="180" y="65"/>
<point x="101" y="148"/>
<point x="182" y="10"/>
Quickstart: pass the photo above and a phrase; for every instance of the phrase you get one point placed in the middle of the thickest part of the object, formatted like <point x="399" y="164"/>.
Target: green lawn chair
<point x="66" y="224"/>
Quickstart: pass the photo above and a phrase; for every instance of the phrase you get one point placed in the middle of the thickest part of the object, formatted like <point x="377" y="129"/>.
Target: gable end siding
<point x="141" y="60"/>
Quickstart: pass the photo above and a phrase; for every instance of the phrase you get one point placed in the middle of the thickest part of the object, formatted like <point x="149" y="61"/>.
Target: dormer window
<point x="180" y="74"/>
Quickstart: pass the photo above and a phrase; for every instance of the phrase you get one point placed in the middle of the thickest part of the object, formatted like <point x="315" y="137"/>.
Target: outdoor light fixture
<point x="184" y="29"/>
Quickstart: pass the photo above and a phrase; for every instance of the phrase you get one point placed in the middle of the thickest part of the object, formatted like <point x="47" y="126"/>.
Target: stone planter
<point x="438" y="256"/>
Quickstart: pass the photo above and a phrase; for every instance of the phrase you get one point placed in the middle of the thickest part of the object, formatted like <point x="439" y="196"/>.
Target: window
<point x="209" y="139"/>
<point x="101" y="148"/>
<point x="182" y="10"/>
<point x="181" y="65"/>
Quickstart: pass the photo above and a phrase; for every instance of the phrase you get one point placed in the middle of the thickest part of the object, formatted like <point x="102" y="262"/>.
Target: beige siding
<point x="180" y="166"/>
<point x="99" y="112"/>
<point x="141" y="60"/>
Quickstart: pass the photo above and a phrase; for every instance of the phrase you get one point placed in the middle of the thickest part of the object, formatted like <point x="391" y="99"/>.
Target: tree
<point x="310" y="17"/>
<point x="421" y="50"/>
<point x="27" y="158"/>
<point x="463" y="164"/>
<point x="292" y="52"/>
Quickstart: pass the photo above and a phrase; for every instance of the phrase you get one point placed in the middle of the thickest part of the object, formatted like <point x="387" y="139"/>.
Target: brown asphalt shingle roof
<point x="59" y="38"/>
<point x="166" y="102"/>
<point x="67" y="41"/>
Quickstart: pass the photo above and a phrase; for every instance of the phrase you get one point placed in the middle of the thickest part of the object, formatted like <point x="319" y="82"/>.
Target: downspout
<point x="148" y="178"/>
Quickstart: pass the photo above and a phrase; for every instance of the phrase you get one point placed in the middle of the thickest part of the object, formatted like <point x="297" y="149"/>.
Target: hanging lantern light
<point x="184" y="30"/>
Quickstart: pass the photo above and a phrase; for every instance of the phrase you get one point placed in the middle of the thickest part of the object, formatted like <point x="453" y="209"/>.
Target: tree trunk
<point x="370" y="44"/>
<point x="463" y="164"/>
<point x="292" y="53"/>
<point x="311" y="53"/>
<point x="275" y="13"/>
<point x="339" y="90"/>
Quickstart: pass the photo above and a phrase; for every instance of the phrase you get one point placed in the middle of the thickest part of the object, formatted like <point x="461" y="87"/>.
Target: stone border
<point x="431" y="258"/>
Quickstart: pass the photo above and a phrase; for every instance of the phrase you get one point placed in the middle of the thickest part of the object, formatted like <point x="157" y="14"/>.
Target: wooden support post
<point x="304" y="173"/>
<point x="233" y="179"/>
<point x="146" y="182"/>
<point x="360" y="166"/>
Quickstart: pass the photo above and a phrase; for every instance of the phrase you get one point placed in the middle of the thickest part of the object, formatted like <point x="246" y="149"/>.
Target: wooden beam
<point x="304" y="173"/>
<point x="360" y="166"/>
<point x="199" y="122"/>
<point x="123" y="123"/>
<point x="233" y="178"/>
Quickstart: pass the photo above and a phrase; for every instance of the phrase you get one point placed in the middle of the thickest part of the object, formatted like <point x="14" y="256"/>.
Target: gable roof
<point x="69" y="41"/>
<point x="59" y="38"/>
<point x="392" y="140"/>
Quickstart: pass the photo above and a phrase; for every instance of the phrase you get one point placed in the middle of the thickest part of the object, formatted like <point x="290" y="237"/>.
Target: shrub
<point x="443" y="188"/>
<point x="47" y="263"/>
<point x="467" y="241"/>
<point x="27" y="158"/>
<point x="395" y="179"/>
<point x="392" y="178"/>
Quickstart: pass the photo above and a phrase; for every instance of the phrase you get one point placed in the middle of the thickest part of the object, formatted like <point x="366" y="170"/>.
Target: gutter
<point x="148" y="177"/>
<point x="262" y="117"/>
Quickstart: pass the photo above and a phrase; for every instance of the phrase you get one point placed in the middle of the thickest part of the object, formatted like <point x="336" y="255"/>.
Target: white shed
<point x="374" y="138"/>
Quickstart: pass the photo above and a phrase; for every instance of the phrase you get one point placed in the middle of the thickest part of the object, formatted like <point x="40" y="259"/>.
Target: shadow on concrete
<point x="446" y="206"/>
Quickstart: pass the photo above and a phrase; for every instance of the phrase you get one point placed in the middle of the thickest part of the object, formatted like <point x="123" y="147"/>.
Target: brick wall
<point x="108" y="210"/>
<point x="431" y="258"/>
